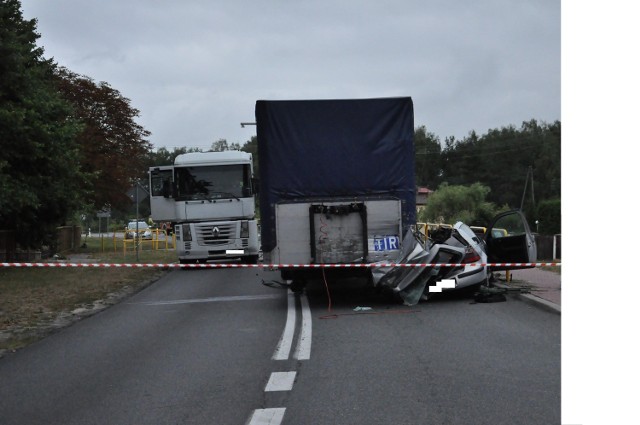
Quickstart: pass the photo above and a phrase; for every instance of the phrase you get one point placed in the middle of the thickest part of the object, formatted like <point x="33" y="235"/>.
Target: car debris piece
<point x="408" y="282"/>
<point x="362" y="308"/>
<point x="486" y="294"/>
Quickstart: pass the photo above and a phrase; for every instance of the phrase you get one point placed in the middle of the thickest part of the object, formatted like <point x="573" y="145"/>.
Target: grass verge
<point x="36" y="301"/>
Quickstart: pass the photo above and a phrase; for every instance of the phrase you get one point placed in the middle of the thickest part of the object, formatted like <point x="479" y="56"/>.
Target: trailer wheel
<point x="297" y="285"/>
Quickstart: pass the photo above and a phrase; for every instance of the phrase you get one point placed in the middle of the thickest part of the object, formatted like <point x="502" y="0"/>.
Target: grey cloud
<point x="196" y="68"/>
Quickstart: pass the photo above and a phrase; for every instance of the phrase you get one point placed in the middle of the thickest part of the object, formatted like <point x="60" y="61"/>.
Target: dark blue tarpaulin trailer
<point x="337" y="179"/>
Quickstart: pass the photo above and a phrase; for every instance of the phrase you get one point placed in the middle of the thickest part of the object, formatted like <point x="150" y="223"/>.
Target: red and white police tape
<point x="269" y="266"/>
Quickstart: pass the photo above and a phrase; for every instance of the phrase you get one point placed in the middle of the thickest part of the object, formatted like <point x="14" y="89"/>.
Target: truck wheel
<point x="297" y="285"/>
<point x="251" y="259"/>
<point x="188" y="261"/>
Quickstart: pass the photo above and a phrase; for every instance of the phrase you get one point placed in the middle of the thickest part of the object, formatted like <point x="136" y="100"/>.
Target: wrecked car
<point x="468" y="254"/>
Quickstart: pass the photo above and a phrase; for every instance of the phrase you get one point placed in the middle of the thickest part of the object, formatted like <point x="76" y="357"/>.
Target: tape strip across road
<point x="269" y="266"/>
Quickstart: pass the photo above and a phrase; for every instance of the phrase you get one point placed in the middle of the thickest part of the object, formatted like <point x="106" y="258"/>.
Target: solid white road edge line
<point x="280" y="381"/>
<point x="284" y="345"/>
<point x="267" y="416"/>
<point x="303" y="349"/>
<point x="211" y="300"/>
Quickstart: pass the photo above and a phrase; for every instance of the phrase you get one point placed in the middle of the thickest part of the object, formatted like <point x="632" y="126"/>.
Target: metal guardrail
<point x="155" y="242"/>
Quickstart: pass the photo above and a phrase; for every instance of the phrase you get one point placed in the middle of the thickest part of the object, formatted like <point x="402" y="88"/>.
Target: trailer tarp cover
<point x="334" y="148"/>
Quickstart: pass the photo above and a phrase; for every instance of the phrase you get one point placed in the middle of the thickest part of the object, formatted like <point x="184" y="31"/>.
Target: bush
<point x="549" y="216"/>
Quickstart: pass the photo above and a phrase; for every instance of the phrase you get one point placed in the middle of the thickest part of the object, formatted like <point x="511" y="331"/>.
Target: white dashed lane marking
<point x="267" y="416"/>
<point x="281" y="381"/>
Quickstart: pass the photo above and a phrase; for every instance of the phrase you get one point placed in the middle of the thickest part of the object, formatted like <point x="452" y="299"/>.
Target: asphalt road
<point x="218" y="347"/>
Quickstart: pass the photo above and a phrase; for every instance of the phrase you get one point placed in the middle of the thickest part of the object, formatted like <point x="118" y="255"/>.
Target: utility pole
<point x="136" y="238"/>
<point x="526" y="183"/>
<point x="533" y="199"/>
<point x="137" y="235"/>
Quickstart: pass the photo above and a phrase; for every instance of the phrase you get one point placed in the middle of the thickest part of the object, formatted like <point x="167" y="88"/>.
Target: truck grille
<point x="220" y="234"/>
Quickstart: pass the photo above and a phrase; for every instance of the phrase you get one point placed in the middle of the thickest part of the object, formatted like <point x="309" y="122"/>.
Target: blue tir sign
<point x="387" y="243"/>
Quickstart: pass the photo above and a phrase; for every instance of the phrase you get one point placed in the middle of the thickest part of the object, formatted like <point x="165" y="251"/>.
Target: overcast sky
<point x="195" y="68"/>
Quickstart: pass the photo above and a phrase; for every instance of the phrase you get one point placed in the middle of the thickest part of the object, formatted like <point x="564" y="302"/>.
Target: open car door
<point x="509" y="240"/>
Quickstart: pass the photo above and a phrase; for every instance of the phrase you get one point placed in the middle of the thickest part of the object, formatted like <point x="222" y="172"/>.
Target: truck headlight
<point x="186" y="233"/>
<point x="244" y="229"/>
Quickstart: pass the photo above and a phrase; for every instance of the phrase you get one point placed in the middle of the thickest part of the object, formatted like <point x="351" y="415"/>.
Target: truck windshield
<point x="213" y="182"/>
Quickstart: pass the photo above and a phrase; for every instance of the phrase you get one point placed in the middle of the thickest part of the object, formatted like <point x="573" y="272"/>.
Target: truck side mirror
<point x="255" y="183"/>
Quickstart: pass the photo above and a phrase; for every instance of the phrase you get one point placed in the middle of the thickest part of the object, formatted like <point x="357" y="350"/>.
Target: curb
<point x="533" y="300"/>
<point x="539" y="302"/>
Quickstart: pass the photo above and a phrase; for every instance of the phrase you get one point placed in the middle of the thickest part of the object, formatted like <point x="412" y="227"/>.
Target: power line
<point x="459" y="155"/>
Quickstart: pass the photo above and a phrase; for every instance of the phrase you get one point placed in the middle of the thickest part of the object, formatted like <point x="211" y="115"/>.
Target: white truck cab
<point x="210" y="199"/>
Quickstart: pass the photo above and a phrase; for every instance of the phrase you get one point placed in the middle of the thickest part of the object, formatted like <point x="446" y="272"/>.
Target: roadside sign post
<point x="103" y="214"/>
<point x="136" y="238"/>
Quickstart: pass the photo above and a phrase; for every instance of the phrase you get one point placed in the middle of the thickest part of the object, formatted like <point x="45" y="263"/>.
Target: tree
<point x="428" y="158"/>
<point x="40" y="181"/>
<point x="500" y="159"/>
<point x="468" y="204"/>
<point x="222" y="145"/>
<point x="162" y="156"/>
<point x="114" y="146"/>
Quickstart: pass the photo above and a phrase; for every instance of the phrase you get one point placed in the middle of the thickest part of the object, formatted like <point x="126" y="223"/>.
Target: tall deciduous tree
<point x="114" y="146"/>
<point x="40" y="181"/>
